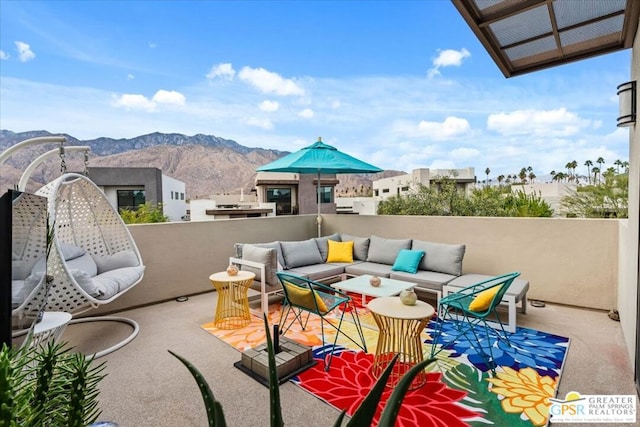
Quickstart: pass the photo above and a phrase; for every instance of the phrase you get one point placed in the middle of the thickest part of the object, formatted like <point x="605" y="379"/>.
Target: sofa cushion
<point x="266" y="256"/>
<point x="323" y="247"/>
<point x="360" y="246"/>
<point x="372" y="268"/>
<point x="301" y="253"/>
<point x="21" y="289"/>
<point x="117" y="260"/>
<point x="408" y="260"/>
<point x="427" y="280"/>
<point x="275" y="245"/>
<point x="440" y="257"/>
<point x="385" y="251"/>
<point x="340" y="251"/>
<point x="318" y="271"/>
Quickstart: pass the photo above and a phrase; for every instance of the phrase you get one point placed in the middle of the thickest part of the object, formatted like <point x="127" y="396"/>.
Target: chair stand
<point x="119" y="345"/>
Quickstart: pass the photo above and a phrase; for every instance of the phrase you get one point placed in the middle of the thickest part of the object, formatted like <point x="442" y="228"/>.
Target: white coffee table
<point x="361" y="285"/>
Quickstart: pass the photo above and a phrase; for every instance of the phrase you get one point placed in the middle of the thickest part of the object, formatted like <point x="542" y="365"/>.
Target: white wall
<point x="629" y="230"/>
<point x="174" y="198"/>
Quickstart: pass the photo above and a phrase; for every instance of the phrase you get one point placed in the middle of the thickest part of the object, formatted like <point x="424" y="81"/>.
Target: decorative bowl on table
<point x="375" y="281"/>
<point x="232" y="270"/>
<point x="408" y="297"/>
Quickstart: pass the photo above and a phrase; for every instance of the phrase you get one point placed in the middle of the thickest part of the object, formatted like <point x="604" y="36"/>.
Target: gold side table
<point x="399" y="328"/>
<point x="232" y="310"/>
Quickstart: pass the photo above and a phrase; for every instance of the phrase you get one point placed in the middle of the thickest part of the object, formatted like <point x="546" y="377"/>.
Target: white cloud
<point x="448" y="58"/>
<point x="134" y="102"/>
<point x="450" y="128"/>
<point x="152" y="45"/>
<point x="549" y="123"/>
<point x="269" y="82"/>
<point x="269" y="106"/>
<point x="4" y="55"/>
<point x="224" y="71"/>
<point x="465" y="154"/>
<point x="130" y="76"/>
<point x="335" y="105"/>
<point x="24" y="51"/>
<point x="261" y="123"/>
<point x="307" y="113"/>
<point x="169" y="97"/>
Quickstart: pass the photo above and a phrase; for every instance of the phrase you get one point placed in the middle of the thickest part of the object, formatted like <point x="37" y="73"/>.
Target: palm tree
<point x="595" y="171"/>
<point x="600" y="161"/>
<point x="532" y="177"/>
<point x="625" y="165"/>
<point x="500" y="179"/>
<point x="588" y="164"/>
<point x="553" y="175"/>
<point x="523" y="175"/>
<point x="487" y="171"/>
<point x="568" y="166"/>
<point x="618" y="163"/>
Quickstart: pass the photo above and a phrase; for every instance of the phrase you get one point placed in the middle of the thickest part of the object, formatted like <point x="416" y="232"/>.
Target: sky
<point x="399" y="84"/>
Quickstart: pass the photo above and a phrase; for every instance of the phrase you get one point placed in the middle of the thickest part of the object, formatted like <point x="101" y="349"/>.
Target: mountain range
<point x="207" y="164"/>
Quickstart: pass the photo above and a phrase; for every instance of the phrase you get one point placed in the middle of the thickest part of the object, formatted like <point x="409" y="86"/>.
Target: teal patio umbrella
<point x="319" y="158"/>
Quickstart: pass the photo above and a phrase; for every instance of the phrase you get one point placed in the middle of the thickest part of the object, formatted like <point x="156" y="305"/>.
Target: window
<point x="376" y="192"/>
<point x="172" y="195"/>
<point x="130" y="199"/>
<point x="282" y="198"/>
<point x="405" y="188"/>
<point x="326" y="194"/>
<point x="181" y="196"/>
<point x="385" y="190"/>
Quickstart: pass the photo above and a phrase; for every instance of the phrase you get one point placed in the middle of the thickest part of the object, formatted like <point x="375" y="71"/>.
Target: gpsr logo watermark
<point x="576" y="408"/>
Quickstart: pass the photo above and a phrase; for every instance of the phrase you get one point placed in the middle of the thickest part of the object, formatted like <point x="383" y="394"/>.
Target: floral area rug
<point x="460" y="389"/>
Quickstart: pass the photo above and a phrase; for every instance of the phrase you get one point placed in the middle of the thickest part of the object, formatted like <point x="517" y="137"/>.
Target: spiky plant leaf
<point x="367" y="409"/>
<point x="274" y="384"/>
<point x="391" y="409"/>
<point x="215" y="415"/>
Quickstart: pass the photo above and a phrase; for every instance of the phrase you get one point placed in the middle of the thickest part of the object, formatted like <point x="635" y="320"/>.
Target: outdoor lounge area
<point x="145" y="385"/>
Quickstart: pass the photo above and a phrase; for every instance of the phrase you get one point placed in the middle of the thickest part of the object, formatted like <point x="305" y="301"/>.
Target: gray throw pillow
<point x="323" y="246"/>
<point x="266" y="256"/>
<point x="385" y="251"/>
<point x="360" y="246"/>
<point x="70" y="252"/>
<point x="273" y="245"/>
<point x="298" y="254"/>
<point x="122" y="259"/>
<point x="440" y="257"/>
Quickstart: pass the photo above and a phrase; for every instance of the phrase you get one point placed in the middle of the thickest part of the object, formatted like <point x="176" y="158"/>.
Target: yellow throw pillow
<point x="340" y="251"/>
<point x="482" y="301"/>
<point x="302" y="297"/>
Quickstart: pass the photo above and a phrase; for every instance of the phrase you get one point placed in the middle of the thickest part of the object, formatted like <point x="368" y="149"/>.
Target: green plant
<point x="144" y="214"/>
<point x="362" y="417"/>
<point x="47" y="385"/>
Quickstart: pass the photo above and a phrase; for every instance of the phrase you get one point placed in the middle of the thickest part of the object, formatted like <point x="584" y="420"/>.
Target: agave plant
<point x="362" y="417"/>
<point x="48" y="385"/>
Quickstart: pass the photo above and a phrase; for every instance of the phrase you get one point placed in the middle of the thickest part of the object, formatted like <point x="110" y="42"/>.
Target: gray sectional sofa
<point x="373" y="255"/>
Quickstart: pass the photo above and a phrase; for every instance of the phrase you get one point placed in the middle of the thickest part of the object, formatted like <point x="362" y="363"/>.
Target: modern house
<point x="399" y="185"/>
<point x="295" y="193"/>
<point x="127" y="188"/>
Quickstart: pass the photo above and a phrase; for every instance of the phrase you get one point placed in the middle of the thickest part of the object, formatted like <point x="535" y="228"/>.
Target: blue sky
<point x="400" y="84"/>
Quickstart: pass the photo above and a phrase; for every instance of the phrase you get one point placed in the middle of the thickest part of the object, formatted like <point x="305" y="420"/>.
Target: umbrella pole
<point x="319" y="218"/>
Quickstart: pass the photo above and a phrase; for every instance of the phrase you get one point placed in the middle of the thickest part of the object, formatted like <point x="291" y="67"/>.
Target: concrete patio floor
<point x="146" y="386"/>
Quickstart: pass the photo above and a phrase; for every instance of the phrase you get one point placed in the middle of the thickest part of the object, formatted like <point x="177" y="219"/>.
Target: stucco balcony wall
<point x="567" y="261"/>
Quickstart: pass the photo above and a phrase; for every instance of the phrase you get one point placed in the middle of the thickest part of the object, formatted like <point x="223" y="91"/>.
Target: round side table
<point x="399" y="328"/>
<point x="232" y="310"/>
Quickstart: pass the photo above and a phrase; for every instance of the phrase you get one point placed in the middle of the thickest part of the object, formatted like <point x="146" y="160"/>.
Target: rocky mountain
<point x="206" y="163"/>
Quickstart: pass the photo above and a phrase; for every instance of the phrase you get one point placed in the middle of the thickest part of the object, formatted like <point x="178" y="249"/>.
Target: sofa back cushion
<point x="323" y="246"/>
<point x="273" y="245"/>
<point x="385" y="251"/>
<point x="360" y="246"/>
<point x="440" y="257"/>
<point x="340" y="251"/>
<point x="266" y="256"/>
<point x="298" y="254"/>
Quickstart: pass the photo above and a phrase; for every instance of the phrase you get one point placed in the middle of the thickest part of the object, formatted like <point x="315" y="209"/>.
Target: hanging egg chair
<point x="93" y="259"/>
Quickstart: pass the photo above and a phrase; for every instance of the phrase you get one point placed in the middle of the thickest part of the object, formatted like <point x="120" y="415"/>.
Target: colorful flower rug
<point x="460" y="389"/>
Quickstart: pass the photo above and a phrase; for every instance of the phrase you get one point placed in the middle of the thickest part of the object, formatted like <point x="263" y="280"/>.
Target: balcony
<point x="572" y="264"/>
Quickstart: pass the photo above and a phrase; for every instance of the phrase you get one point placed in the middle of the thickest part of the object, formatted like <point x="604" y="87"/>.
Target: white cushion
<point x="118" y="260"/>
<point x="70" y="252"/>
<point x="115" y="281"/>
<point x="82" y="278"/>
<point x="83" y="263"/>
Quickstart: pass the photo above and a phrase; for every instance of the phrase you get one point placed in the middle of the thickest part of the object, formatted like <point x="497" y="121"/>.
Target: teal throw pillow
<point x="408" y="260"/>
